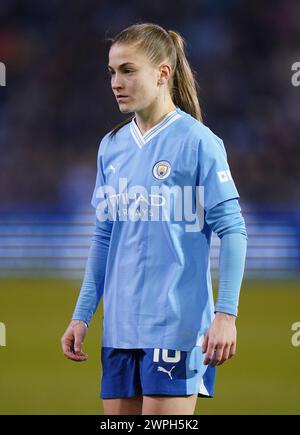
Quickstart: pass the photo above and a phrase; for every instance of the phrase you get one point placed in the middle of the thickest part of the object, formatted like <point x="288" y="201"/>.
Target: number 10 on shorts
<point x="165" y="355"/>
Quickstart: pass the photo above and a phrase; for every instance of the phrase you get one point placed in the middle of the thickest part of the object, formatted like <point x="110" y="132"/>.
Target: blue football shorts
<point x="133" y="372"/>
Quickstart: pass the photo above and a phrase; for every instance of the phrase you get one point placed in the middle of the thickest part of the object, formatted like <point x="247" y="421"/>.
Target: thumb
<point x="204" y="344"/>
<point x="77" y="344"/>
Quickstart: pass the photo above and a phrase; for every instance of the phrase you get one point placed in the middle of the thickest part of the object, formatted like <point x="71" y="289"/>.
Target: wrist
<point x="76" y="322"/>
<point x="225" y="316"/>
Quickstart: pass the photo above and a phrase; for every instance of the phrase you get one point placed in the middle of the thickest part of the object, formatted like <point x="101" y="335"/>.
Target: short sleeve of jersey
<point x="214" y="172"/>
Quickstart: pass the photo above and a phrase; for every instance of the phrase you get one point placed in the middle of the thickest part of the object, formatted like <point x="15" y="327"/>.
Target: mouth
<point x="121" y="97"/>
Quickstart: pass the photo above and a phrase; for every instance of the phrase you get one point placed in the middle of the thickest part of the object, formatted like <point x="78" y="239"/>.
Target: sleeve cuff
<point x="226" y="310"/>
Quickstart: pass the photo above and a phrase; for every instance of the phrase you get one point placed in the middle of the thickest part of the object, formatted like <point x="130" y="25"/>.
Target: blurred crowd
<point x="57" y="103"/>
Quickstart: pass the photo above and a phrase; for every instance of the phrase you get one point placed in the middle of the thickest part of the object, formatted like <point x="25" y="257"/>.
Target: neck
<point x="152" y="115"/>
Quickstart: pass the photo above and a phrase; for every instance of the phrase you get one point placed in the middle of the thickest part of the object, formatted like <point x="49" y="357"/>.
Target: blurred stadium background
<point x="54" y="109"/>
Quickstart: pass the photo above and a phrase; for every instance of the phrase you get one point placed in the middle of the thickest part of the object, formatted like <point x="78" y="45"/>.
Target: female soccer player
<point x="163" y="185"/>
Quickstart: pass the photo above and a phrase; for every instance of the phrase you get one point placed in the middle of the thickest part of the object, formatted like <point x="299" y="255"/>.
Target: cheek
<point x="147" y="85"/>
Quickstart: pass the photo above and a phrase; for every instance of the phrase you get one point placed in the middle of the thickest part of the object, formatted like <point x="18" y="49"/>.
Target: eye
<point x="110" y="73"/>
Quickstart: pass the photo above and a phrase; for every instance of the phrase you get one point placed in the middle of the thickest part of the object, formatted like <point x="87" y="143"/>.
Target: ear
<point x="164" y="74"/>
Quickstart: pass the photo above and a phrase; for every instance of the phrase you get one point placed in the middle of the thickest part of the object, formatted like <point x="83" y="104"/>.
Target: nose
<point x="116" y="82"/>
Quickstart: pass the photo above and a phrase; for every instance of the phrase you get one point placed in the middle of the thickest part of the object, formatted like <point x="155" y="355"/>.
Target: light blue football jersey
<point x="157" y="288"/>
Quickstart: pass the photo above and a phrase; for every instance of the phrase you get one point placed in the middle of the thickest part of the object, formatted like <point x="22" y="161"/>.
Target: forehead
<point x="125" y="53"/>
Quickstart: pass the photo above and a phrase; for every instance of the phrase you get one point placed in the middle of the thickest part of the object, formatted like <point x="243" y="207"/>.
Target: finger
<point x="204" y="344"/>
<point x="76" y="357"/>
<point x="209" y="353"/>
<point x="232" y="350"/>
<point x="81" y="354"/>
<point x="66" y="345"/>
<point x="218" y="356"/>
<point x="225" y="356"/>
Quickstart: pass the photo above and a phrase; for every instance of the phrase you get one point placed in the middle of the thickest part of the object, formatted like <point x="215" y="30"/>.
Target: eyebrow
<point x="123" y="64"/>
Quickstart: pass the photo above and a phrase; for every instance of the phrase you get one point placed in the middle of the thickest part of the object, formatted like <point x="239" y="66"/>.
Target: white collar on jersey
<point x="141" y="139"/>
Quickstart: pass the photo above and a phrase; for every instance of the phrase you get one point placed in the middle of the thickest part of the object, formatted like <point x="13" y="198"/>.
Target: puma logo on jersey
<point x="112" y="168"/>
<point x="162" y="369"/>
<point x="224" y="176"/>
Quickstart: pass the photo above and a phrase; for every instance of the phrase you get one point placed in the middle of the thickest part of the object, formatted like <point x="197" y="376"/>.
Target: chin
<point x="125" y="109"/>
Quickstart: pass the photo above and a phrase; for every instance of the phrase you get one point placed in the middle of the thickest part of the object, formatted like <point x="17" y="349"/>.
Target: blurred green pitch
<point x="35" y="378"/>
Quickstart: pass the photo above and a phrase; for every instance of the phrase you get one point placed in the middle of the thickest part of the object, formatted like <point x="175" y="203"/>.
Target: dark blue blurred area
<point x="58" y="104"/>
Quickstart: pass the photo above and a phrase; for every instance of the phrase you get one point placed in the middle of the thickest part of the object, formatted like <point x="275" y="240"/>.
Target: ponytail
<point x="185" y="86"/>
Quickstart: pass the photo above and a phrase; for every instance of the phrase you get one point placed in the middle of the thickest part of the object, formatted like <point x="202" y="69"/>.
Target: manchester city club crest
<point x="161" y="169"/>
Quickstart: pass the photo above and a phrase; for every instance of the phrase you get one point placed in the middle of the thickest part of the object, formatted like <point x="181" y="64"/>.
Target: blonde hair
<point x="159" y="44"/>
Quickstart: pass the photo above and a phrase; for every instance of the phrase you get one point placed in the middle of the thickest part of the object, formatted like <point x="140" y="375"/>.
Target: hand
<point x="220" y="337"/>
<point x="72" y="341"/>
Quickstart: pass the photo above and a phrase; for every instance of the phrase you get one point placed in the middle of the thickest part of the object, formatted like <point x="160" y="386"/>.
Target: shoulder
<point x="102" y="145"/>
<point x="210" y="144"/>
<point x="205" y="140"/>
<point x="122" y="132"/>
<point x="109" y="139"/>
